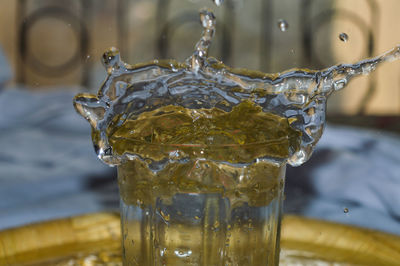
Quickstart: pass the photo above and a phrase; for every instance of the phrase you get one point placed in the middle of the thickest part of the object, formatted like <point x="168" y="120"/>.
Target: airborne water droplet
<point x="218" y="2"/>
<point x="343" y="37"/>
<point x="283" y="25"/>
<point x="345" y="210"/>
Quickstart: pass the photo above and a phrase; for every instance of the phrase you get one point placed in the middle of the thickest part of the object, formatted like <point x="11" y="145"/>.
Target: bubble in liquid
<point x="343" y="37"/>
<point x="218" y="2"/>
<point x="181" y="253"/>
<point x="216" y="225"/>
<point x="345" y="210"/>
<point x="283" y="25"/>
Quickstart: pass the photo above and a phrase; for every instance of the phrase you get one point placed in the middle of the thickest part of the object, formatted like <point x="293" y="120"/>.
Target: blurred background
<point x="50" y="50"/>
<point x="55" y="43"/>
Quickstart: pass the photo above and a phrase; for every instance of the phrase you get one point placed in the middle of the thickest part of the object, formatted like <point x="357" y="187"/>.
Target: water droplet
<point x="340" y="84"/>
<point x="207" y="18"/>
<point x="173" y="67"/>
<point x="345" y="210"/>
<point x="283" y="25"/>
<point x="218" y="2"/>
<point x="111" y="58"/>
<point x="343" y="37"/>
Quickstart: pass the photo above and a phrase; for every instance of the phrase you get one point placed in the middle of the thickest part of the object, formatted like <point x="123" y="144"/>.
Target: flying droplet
<point x="218" y="2"/>
<point x="343" y="37"/>
<point x="345" y="210"/>
<point x="283" y="25"/>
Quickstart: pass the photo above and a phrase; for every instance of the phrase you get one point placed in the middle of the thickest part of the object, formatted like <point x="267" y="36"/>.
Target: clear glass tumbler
<point x="201" y="211"/>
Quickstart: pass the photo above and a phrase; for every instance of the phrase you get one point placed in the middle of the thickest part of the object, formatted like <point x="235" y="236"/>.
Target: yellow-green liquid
<point x="202" y="187"/>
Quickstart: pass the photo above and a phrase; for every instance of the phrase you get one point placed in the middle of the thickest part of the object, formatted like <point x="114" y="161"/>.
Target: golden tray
<point x="94" y="239"/>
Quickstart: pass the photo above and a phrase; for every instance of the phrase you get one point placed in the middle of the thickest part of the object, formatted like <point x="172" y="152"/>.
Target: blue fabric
<point x="48" y="169"/>
<point x="353" y="169"/>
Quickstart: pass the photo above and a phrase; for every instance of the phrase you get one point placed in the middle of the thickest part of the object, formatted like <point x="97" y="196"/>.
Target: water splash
<point x="203" y="82"/>
<point x="207" y="19"/>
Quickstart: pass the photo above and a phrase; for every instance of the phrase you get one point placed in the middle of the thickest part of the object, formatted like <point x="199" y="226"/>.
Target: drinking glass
<point x="202" y="211"/>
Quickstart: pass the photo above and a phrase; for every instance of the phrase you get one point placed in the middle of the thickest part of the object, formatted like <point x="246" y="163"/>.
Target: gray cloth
<point x="48" y="169"/>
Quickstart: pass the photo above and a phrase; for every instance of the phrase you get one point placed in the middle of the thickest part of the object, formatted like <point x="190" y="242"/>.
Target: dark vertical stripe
<point x="266" y="35"/>
<point x="21" y="26"/>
